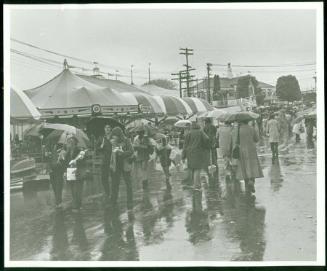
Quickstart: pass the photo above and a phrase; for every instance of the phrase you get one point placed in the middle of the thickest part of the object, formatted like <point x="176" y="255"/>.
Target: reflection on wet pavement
<point x="219" y="223"/>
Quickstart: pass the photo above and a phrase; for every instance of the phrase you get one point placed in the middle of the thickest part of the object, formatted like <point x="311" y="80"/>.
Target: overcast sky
<point x="119" y="38"/>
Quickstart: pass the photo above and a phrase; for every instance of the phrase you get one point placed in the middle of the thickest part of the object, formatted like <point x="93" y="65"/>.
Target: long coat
<point x="225" y="140"/>
<point x="197" y="149"/>
<point x="248" y="166"/>
<point x="273" y="129"/>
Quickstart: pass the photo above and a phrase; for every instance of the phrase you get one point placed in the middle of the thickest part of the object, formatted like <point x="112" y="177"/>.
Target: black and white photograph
<point x="164" y="135"/>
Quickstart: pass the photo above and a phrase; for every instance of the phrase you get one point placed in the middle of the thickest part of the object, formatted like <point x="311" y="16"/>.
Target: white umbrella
<point x="216" y="113"/>
<point x="183" y="123"/>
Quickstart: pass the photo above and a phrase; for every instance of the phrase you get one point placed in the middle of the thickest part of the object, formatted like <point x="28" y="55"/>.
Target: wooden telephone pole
<point x="187" y="52"/>
<point x="209" y="65"/>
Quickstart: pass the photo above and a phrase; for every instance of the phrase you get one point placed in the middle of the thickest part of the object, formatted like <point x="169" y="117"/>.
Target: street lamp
<point x="149" y="72"/>
<point x="116" y="74"/>
<point x="132" y="83"/>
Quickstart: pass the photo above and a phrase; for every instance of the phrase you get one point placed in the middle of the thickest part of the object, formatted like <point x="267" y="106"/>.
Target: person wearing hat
<point x="105" y="148"/>
<point x="144" y="148"/>
<point x="121" y="166"/>
<point x="273" y="132"/>
<point x="211" y="132"/>
<point x="55" y="157"/>
<point x="196" y="151"/>
<point x="74" y="158"/>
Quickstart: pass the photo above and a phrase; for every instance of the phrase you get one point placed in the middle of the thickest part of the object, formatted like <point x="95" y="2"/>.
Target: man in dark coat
<point x="196" y="150"/>
<point x="105" y="148"/>
<point x="211" y="132"/>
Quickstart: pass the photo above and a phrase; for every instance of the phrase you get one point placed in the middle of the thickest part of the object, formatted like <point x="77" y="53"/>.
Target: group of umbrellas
<point x="58" y="133"/>
<point x="222" y="116"/>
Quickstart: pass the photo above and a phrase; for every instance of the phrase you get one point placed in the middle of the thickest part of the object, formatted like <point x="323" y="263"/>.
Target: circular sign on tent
<point x="96" y="109"/>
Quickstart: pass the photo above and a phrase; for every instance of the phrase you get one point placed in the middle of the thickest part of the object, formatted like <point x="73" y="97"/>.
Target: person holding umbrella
<point x="74" y="160"/>
<point x="105" y="148"/>
<point x="55" y="158"/>
<point x="144" y="148"/>
<point x="121" y="165"/>
<point x="244" y="139"/>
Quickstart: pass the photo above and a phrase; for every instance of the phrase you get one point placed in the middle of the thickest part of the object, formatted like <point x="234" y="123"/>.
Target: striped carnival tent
<point x="173" y="106"/>
<point x="148" y="102"/>
<point x="68" y="94"/>
<point x="21" y="107"/>
<point x="198" y="105"/>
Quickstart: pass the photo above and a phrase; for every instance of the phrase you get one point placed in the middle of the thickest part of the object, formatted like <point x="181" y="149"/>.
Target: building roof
<point x="229" y="83"/>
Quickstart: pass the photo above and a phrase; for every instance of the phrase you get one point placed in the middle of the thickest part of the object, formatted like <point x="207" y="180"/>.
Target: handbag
<point x="236" y="149"/>
<point x="71" y="174"/>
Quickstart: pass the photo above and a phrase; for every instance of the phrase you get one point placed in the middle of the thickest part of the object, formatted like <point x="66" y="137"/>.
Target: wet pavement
<point x="221" y="224"/>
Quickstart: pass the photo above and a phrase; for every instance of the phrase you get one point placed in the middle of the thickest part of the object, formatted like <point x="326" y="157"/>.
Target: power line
<point x="57" y="64"/>
<point x="268" y="66"/>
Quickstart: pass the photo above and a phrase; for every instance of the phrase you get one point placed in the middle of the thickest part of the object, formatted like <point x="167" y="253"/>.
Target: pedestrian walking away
<point x="197" y="153"/>
<point x="163" y="151"/>
<point x="248" y="165"/>
<point x="211" y="132"/>
<point x="273" y="132"/>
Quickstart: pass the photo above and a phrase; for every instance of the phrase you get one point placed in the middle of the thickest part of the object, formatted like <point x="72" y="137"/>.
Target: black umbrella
<point x="96" y="125"/>
<point x="243" y="116"/>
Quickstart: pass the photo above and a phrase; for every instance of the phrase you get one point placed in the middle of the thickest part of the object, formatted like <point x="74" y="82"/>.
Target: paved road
<point x="279" y="223"/>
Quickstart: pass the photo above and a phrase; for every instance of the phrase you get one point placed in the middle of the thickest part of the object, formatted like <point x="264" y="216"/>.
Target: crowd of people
<point x="126" y="156"/>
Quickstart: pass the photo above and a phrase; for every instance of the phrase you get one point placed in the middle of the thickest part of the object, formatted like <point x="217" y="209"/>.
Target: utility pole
<point x="132" y="83"/>
<point x="187" y="52"/>
<point x="116" y="74"/>
<point x="149" y="72"/>
<point x="209" y="65"/>
<point x="179" y="78"/>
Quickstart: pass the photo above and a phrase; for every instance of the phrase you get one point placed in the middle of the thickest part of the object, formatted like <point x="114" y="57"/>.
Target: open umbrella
<point x="46" y="128"/>
<point x="96" y="125"/>
<point x="61" y="136"/>
<point x="216" y="113"/>
<point x="243" y="116"/>
<point x="183" y="123"/>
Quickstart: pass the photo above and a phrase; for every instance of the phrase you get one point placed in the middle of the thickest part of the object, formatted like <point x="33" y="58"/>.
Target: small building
<point x="228" y="90"/>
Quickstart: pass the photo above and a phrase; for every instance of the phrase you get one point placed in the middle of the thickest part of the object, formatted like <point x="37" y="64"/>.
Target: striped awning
<point x="198" y="105"/>
<point x="173" y="106"/>
<point x="143" y="100"/>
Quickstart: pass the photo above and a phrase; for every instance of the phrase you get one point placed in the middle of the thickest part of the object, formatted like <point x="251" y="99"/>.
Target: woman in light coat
<point x="273" y="132"/>
<point x="248" y="165"/>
